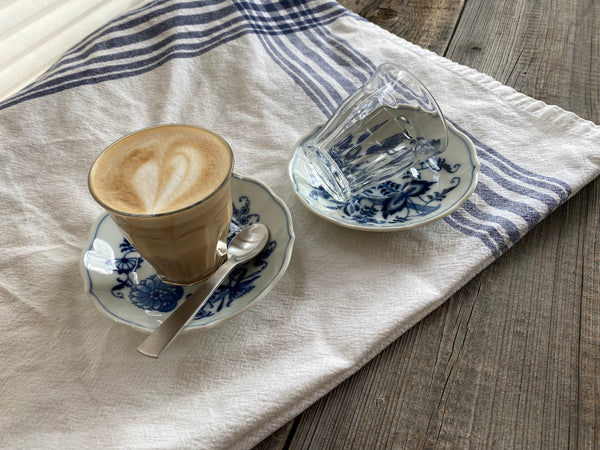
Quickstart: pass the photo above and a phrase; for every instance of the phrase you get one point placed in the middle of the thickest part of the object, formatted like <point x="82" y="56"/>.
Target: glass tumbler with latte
<point x="168" y="188"/>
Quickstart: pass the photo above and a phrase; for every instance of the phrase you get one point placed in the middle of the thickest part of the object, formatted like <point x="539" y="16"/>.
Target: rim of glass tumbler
<point x="389" y="65"/>
<point x="166" y="213"/>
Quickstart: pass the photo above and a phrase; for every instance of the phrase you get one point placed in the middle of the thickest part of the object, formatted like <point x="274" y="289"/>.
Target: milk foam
<point x="160" y="170"/>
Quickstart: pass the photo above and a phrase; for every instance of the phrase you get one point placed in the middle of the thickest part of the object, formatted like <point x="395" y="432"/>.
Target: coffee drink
<point x="169" y="190"/>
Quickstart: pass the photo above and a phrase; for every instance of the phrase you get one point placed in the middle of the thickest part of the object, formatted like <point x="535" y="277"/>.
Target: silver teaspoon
<point x="246" y="245"/>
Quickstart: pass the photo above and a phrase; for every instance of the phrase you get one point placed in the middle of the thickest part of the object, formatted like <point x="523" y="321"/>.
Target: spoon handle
<point x="162" y="336"/>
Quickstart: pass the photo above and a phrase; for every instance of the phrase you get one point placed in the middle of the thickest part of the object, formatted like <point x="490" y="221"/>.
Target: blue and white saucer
<point x="422" y="195"/>
<point x="126" y="288"/>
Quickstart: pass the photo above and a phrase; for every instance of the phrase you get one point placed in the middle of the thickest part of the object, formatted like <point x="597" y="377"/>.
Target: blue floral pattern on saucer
<point x="396" y="202"/>
<point x="423" y="194"/>
<point x="128" y="289"/>
<point x="153" y="294"/>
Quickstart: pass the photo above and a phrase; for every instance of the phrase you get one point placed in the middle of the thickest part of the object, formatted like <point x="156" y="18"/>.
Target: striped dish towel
<point x="261" y="74"/>
<point x="35" y="33"/>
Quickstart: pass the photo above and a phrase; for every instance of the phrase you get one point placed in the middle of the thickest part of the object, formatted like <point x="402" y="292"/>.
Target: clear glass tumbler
<point x="388" y="125"/>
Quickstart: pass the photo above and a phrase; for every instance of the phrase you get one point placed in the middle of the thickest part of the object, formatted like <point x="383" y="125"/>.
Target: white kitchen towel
<point x="261" y="74"/>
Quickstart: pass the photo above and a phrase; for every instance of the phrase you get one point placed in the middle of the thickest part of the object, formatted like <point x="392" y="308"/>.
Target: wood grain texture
<point x="549" y="50"/>
<point x="429" y="24"/>
<point x="513" y="359"/>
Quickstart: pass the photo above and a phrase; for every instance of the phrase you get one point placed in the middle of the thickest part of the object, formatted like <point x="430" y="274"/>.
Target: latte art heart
<point x="158" y="171"/>
<point x="160" y="183"/>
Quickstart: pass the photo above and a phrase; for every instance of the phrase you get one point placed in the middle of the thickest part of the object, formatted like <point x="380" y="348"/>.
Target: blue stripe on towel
<point x="335" y="53"/>
<point x="507" y="183"/>
<point x="323" y="63"/>
<point x="308" y="68"/>
<point x="512" y="231"/>
<point x="204" y="30"/>
<point x="355" y="58"/>
<point x="496" y="168"/>
<point x="146" y="34"/>
<point x="125" y="21"/>
<point x="559" y="187"/>
<point x="288" y="66"/>
<point x="459" y="223"/>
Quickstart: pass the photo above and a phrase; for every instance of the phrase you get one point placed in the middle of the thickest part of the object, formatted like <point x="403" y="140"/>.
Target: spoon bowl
<point x="248" y="243"/>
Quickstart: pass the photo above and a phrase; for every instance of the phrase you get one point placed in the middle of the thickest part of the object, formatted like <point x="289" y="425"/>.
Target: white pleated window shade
<point x="35" y="33"/>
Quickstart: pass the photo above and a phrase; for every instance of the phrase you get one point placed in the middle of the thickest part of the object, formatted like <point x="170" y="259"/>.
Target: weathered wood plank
<point x="429" y="24"/>
<point x="513" y="359"/>
<point x="548" y="50"/>
<point x="588" y="402"/>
